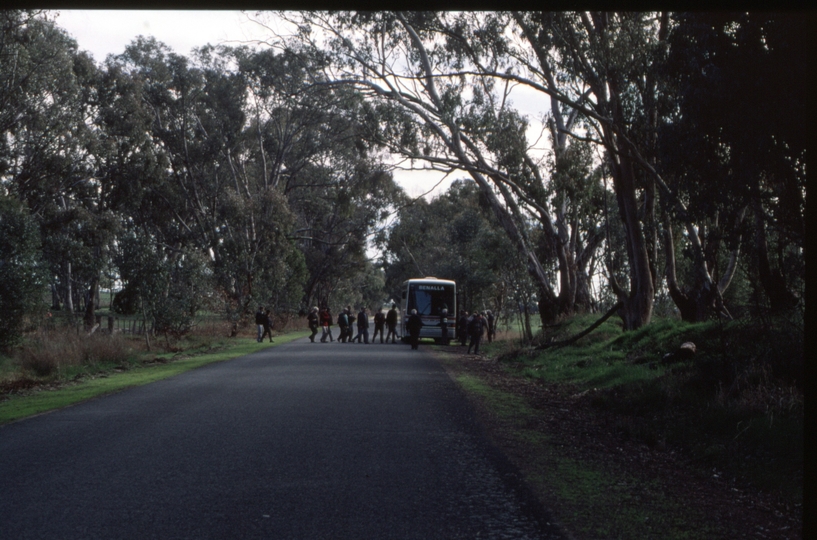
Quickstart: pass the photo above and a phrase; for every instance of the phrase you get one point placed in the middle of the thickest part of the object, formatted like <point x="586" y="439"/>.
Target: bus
<point x="429" y="296"/>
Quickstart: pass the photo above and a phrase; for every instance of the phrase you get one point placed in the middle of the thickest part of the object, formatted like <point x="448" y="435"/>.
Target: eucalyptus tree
<point x="47" y="154"/>
<point x="437" y="96"/>
<point x="304" y="139"/>
<point x="22" y="272"/>
<point x="605" y="59"/>
<point x="196" y="128"/>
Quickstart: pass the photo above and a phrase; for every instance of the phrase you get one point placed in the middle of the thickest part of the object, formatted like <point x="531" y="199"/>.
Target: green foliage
<point x="257" y="174"/>
<point x="22" y="273"/>
<point x="169" y="285"/>
<point x="455" y="237"/>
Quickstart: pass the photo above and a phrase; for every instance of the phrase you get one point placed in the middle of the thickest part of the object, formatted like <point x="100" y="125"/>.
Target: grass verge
<point x="106" y="381"/>
<point x="589" y="498"/>
<point x="621" y="442"/>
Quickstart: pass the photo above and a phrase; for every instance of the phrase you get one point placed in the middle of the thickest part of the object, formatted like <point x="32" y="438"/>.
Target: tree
<point x="440" y="92"/>
<point x="47" y="155"/>
<point x="166" y="287"/>
<point x="217" y="204"/>
<point x="737" y="77"/>
<point x="456" y="236"/>
<point x="22" y="272"/>
<point x="305" y="140"/>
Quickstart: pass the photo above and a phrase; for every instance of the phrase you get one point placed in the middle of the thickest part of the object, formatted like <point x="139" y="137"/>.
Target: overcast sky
<point x="104" y="32"/>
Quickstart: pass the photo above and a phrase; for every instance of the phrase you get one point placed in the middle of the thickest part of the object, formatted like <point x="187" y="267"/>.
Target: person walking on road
<point x="329" y="326"/>
<point x="391" y="322"/>
<point x="267" y="325"/>
<point x="260" y="320"/>
<point x="362" y="327"/>
<point x="343" y="325"/>
<point x="444" y="326"/>
<point x="350" y="330"/>
<point x="379" y="324"/>
<point x="414" y="325"/>
<point x="475" y="327"/>
<point x="314" y="323"/>
<point x="325" y="319"/>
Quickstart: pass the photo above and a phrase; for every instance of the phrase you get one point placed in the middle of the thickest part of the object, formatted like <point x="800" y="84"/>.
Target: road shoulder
<point x="593" y="482"/>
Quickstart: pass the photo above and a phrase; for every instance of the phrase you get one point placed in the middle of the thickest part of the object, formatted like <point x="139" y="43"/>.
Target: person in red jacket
<point x="326" y="320"/>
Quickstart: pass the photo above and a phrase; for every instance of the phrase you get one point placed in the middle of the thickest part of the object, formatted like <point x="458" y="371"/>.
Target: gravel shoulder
<point x="599" y="485"/>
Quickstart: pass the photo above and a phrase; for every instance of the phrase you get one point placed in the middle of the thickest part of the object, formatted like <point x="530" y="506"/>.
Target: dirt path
<point x="725" y="509"/>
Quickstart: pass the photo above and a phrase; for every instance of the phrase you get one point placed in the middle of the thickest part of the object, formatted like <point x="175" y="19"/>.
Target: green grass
<point x="737" y="406"/>
<point x="591" y="499"/>
<point x="507" y="406"/>
<point x="97" y="381"/>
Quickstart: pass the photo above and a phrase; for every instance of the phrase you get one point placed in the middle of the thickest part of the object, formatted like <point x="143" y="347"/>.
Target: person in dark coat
<point x="475" y="328"/>
<point x="350" y="330"/>
<point x="362" y="327"/>
<point x="343" y="325"/>
<point x="414" y="325"/>
<point x="444" y="326"/>
<point x="462" y="327"/>
<point x="391" y="322"/>
<point x="329" y="326"/>
<point x="267" y="325"/>
<point x="314" y="323"/>
<point x="379" y="324"/>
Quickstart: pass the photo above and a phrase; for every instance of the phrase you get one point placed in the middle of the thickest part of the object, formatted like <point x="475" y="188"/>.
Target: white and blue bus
<point x="429" y="296"/>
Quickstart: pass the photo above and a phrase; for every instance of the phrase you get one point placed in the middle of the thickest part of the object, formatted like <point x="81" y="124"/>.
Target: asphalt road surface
<point x="305" y="440"/>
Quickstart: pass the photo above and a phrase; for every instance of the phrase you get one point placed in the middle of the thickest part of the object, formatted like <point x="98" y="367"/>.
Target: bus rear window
<point x="430" y="299"/>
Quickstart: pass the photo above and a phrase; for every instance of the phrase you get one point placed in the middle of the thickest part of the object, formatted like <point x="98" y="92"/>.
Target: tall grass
<point x="50" y="352"/>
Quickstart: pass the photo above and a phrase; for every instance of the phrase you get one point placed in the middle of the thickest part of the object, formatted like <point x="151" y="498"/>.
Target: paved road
<point x="341" y="441"/>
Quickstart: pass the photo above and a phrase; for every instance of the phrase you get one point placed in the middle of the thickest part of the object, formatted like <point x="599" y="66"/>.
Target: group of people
<point x="322" y="319"/>
<point x="263" y="320"/>
<point x="474" y="326"/>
